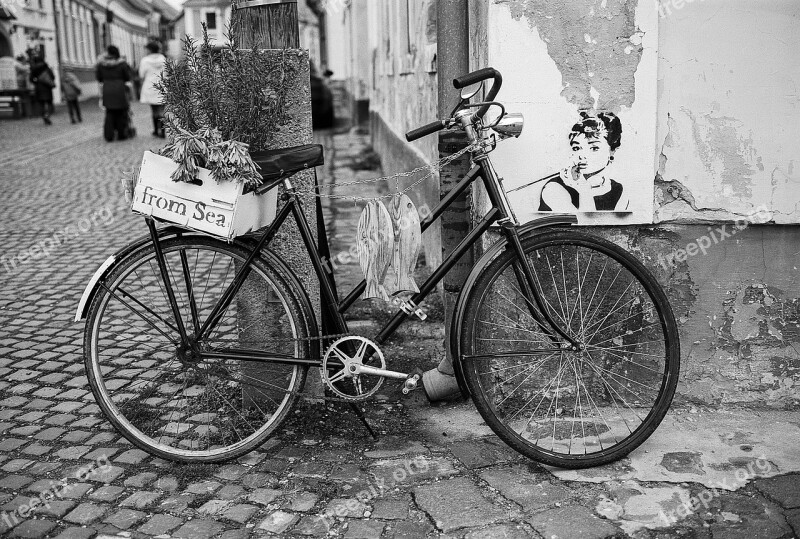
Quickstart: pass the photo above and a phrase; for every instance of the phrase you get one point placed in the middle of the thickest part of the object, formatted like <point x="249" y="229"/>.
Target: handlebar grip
<point x="475" y="77"/>
<point x="420" y="132"/>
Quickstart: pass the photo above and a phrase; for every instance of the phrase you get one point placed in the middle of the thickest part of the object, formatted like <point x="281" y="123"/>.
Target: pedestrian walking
<point x="113" y="73"/>
<point x="150" y="69"/>
<point x="71" y="90"/>
<point x="43" y="81"/>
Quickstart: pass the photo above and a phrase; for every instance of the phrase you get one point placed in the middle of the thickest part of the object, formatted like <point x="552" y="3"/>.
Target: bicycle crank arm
<point x="366" y="369"/>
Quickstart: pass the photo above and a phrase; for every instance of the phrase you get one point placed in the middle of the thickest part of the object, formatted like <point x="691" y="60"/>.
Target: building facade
<point x="720" y="230"/>
<point x="72" y="34"/>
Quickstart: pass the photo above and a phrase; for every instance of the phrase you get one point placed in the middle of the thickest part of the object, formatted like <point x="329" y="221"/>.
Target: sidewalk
<point x="434" y="471"/>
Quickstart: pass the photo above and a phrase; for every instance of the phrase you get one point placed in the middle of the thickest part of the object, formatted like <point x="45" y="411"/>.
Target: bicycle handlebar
<point x="425" y="130"/>
<point x="465" y="80"/>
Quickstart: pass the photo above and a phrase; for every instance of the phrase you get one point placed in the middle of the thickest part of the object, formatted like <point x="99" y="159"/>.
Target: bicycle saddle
<point x="284" y="162"/>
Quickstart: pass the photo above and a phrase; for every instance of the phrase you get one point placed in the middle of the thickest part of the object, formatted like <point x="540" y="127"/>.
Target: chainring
<point x="345" y="381"/>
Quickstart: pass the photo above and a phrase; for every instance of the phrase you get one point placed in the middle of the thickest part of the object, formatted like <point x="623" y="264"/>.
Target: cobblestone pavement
<point x="433" y="471"/>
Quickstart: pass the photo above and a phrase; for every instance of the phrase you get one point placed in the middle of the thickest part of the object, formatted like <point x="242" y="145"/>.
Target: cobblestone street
<point x="434" y="471"/>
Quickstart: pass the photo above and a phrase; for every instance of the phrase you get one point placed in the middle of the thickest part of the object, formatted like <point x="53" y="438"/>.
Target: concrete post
<point x="452" y="61"/>
<point x="275" y="28"/>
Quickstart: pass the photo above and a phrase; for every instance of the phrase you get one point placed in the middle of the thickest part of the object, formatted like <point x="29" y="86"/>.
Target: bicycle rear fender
<point x="525" y="231"/>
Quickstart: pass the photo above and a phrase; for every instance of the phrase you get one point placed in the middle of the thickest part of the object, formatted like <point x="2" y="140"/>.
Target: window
<point x="211" y="20"/>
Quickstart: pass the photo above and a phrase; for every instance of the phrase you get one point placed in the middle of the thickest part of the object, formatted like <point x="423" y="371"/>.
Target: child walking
<point x="71" y="88"/>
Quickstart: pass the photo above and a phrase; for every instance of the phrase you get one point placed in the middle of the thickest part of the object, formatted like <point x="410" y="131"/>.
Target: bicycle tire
<point x="240" y="404"/>
<point x="620" y="360"/>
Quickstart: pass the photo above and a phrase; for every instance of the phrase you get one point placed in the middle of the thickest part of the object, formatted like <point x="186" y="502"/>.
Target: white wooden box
<point x="219" y="209"/>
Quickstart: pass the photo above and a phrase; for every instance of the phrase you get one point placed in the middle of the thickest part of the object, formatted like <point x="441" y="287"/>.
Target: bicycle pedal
<point x="409" y="307"/>
<point x="412" y="382"/>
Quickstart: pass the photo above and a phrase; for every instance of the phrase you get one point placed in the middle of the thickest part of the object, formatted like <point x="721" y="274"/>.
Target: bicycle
<point x="196" y="349"/>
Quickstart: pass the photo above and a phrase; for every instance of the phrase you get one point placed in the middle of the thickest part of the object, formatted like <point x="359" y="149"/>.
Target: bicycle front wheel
<point x="173" y="400"/>
<point x="563" y="407"/>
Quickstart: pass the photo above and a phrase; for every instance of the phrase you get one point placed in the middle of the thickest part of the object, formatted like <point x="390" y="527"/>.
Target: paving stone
<point x="49" y="434"/>
<point x="241" y="533"/>
<point x="199" y="529"/>
<point x="22" y="389"/>
<point x="74" y="491"/>
<point x="160" y="524"/>
<point x="176" y="504"/>
<point x="312" y="525"/>
<point x="16" y="465"/>
<point x="10" y="444"/>
<point x="41" y="468"/>
<point x="278" y="522"/>
<point x="15" y="482"/>
<point x="73" y="453"/>
<point x="394" y="472"/>
<point x="101" y="454"/>
<point x="53" y="378"/>
<point x="33" y="529"/>
<point x="140" y="499"/>
<point x="47" y="392"/>
<point x="60" y="419"/>
<point x="481" y="453"/>
<point x="85" y="513"/>
<point x="76" y="533"/>
<point x="107" y="494"/>
<point x="263" y="496"/>
<point x="125" y="518"/>
<point x="457" y="503"/>
<point x="27" y="430"/>
<point x="364" y="529"/>
<point x="140" y="480"/>
<point x="302" y="501"/>
<point x="56" y="508"/>
<point x="784" y="489"/>
<point x="9" y="413"/>
<point x="793" y="518"/>
<point x="105" y="474"/>
<point x="39" y="404"/>
<point x="213" y="507"/>
<point x="256" y="480"/>
<point x="506" y="531"/>
<point x="36" y="449"/>
<point x="390" y="509"/>
<point x="229" y="492"/>
<point x="409" y="530"/>
<point x="86" y="423"/>
<point x="13" y="402"/>
<point x="101" y="438"/>
<point x="345" y="507"/>
<point x="240" y="513"/>
<point x="572" y="521"/>
<point x="527" y="489"/>
<point x="167" y="484"/>
<point x="76" y="436"/>
<point x="206" y="487"/>
<point x="132" y="456"/>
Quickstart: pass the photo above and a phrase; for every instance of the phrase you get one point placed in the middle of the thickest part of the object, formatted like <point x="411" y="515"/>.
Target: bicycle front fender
<point x="457" y="320"/>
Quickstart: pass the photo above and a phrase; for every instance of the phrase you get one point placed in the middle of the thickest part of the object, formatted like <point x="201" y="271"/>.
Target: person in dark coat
<point x="43" y="81"/>
<point x="113" y="73"/>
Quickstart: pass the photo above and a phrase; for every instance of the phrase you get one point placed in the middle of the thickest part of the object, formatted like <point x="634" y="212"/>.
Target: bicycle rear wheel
<point x="571" y="408"/>
<point x="172" y="400"/>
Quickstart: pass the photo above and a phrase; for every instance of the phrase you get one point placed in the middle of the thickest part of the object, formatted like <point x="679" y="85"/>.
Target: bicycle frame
<point x="499" y="213"/>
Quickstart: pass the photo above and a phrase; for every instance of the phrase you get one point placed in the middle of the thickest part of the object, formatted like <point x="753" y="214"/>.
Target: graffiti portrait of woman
<point x="585" y="183"/>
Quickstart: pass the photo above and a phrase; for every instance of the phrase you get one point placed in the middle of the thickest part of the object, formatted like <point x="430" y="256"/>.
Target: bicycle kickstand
<point x="360" y="415"/>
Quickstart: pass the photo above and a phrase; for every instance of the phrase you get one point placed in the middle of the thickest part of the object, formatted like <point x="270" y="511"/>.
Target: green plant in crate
<point x="220" y="103"/>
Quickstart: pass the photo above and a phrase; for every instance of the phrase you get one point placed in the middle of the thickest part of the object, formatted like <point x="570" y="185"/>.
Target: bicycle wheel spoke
<point x="589" y="402"/>
<point x="178" y="399"/>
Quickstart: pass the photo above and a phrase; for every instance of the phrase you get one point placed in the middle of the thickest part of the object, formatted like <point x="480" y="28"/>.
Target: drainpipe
<point x="452" y="60"/>
<point x="57" y="33"/>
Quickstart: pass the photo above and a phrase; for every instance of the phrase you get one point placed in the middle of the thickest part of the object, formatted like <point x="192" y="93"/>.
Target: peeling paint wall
<point x="729" y="106"/>
<point x="724" y="157"/>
